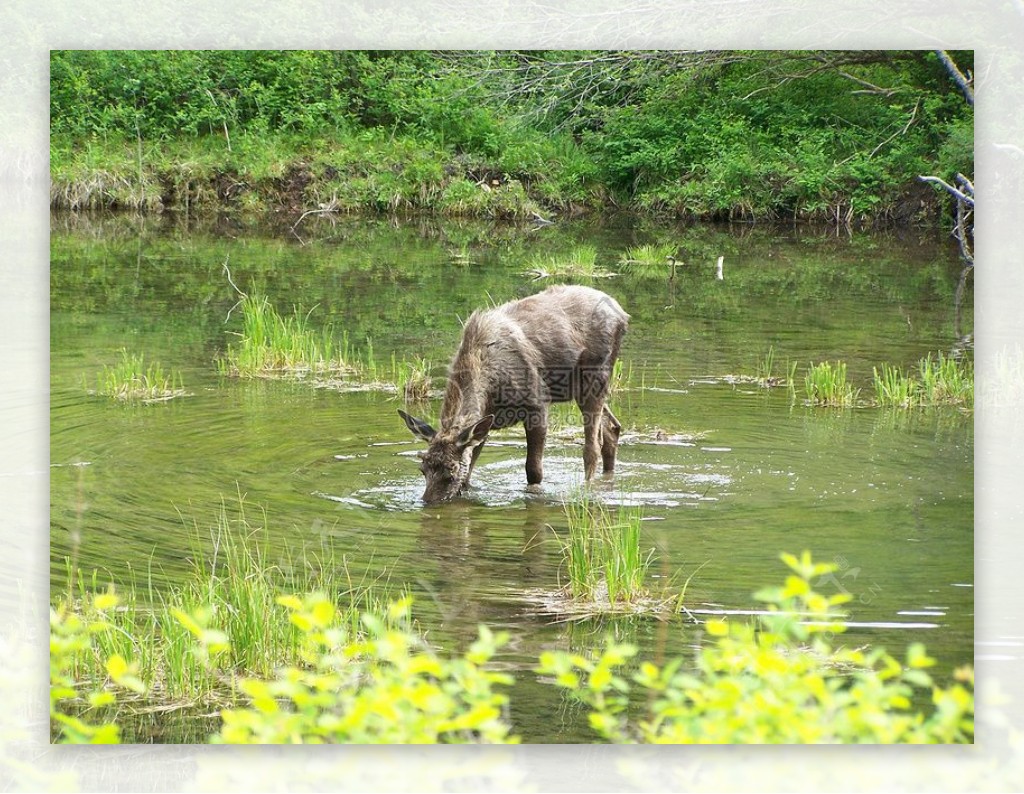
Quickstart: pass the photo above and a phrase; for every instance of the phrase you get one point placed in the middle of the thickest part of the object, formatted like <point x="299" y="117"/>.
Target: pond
<point x="728" y="474"/>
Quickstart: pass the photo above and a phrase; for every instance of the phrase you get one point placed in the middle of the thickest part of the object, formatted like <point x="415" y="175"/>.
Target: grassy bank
<point x="709" y="135"/>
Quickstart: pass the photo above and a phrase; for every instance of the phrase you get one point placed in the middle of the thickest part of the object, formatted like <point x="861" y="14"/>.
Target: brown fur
<point x="513" y="361"/>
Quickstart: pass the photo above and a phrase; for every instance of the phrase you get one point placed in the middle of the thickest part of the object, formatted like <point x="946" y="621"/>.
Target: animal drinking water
<point x="513" y="362"/>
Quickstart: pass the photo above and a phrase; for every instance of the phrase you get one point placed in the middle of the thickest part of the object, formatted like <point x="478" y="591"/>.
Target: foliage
<point x="944" y="380"/>
<point x="708" y="134"/>
<point x="132" y="380"/>
<point x="779" y="680"/>
<point x="825" y="384"/>
<point x="383" y="686"/>
<point x="71" y="640"/>
<point x="605" y="563"/>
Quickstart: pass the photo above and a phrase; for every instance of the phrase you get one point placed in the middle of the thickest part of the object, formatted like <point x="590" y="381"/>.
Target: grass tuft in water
<point x="580" y="264"/>
<point x="947" y="380"/>
<point x="605" y="562"/>
<point x="132" y="380"/>
<point x="894" y="388"/>
<point x="825" y="384"/>
<point x="650" y="260"/>
<point x="943" y="380"/>
<point x="271" y="344"/>
<point x="274" y="346"/>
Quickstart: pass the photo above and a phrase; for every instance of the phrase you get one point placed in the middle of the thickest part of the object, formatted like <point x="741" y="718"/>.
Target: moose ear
<point x="475" y="433"/>
<point x="418" y="427"/>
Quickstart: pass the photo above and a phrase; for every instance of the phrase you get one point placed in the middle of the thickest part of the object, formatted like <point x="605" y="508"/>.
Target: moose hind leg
<point x="611" y="428"/>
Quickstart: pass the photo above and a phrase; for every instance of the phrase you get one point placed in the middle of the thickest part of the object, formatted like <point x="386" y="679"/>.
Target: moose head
<point x="451" y="452"/>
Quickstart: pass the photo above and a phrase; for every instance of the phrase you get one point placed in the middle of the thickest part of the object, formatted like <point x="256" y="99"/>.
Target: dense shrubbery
<point x="840" y="136"/>
<point x="372" y="678"/>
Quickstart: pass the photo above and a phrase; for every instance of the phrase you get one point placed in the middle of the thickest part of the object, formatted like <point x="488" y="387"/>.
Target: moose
<point x="513" y="361"/>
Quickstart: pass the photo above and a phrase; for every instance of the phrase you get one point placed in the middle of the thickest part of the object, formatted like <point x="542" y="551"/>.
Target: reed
<point x="649" y="260"/>
<point x="825" y="384"/>
<point x="605" y="563"/>
<point x="579" y="264"/>
<point x="946" y="380"/>
<point x="234" y="590"/>
<point x="894" y="388"/>
<point x="133" y="380"/>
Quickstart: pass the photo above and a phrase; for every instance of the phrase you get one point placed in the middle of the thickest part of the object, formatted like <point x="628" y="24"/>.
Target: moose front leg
<point x="536" y="433"/>
<point x="609" y="440"/>
<point x="592" y="421"/>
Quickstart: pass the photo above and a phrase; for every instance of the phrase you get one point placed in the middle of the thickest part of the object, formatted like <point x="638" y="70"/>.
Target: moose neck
<point x="466" y="396"/>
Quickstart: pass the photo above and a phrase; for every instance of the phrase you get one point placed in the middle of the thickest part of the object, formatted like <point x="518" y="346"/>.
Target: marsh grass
<point x="766" y="376"/>
<point x="605" y="563"/>
<point x="649" y="261"/>
<point x="894" y="388"/>
<point x="578" y="264"/>
<point x="133" y="380"/>
<point x="232" y="592"/>
<point x="271" y="345"/>
<point x="947" y="380"/>
<point x="825" y="384"/>
<point x="943" y="380"/>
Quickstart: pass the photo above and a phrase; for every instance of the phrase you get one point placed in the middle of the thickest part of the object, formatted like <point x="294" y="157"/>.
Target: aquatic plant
<point x="776" y="680"/>
<point x="234" y="586"/>
<point x="275" y="346"/>
<point x="604" y="560"/>
<point x="649" y="260"/>
<point x="579" y="264"/>
<point x="271" y="345"/>
<point x="825" y="384"/>
<point x="947" y="380"/>
<point x="894" y="388"/>
<point x="944" y="380"/>
<point x="132" y="380"/>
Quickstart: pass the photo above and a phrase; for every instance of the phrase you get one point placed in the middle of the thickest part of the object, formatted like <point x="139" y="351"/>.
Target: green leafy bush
<point x="71" y="640"/>
<point x="383" y="686"/>
<point x="779" y="680"/>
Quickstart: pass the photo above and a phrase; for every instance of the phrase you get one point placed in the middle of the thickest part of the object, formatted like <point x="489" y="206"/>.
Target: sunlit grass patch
<point x="943" y="380"/>
<point x="947" y="380"/>
<point x="228" y="604"/>
<point x="133" y="380"/>
<point x="271" y="345"/>
<point x="274" y="345"/>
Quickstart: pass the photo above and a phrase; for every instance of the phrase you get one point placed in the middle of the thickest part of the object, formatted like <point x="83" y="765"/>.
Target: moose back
<point x="514" y="360"/>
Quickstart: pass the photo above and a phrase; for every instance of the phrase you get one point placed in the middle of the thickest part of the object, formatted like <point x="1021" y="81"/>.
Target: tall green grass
<point x="133" y="380"/>
<point x="579" y="264"/>
<point x="825" y="384"/>
<point x="234" y="585"/>
<point x="604" y="559"/>
<point x="943" y="380"/>
<point x="272" y="345"/>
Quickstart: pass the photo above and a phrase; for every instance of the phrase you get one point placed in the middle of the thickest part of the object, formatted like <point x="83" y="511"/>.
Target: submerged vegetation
<point x="367" y="676"/>
<point x="834" y="136"/>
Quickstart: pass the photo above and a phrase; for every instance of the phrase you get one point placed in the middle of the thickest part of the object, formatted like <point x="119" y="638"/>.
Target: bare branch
<point x="965" y="83"/>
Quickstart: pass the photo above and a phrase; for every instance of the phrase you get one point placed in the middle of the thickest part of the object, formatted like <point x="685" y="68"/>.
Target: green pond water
<point x="726" y="473"/>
